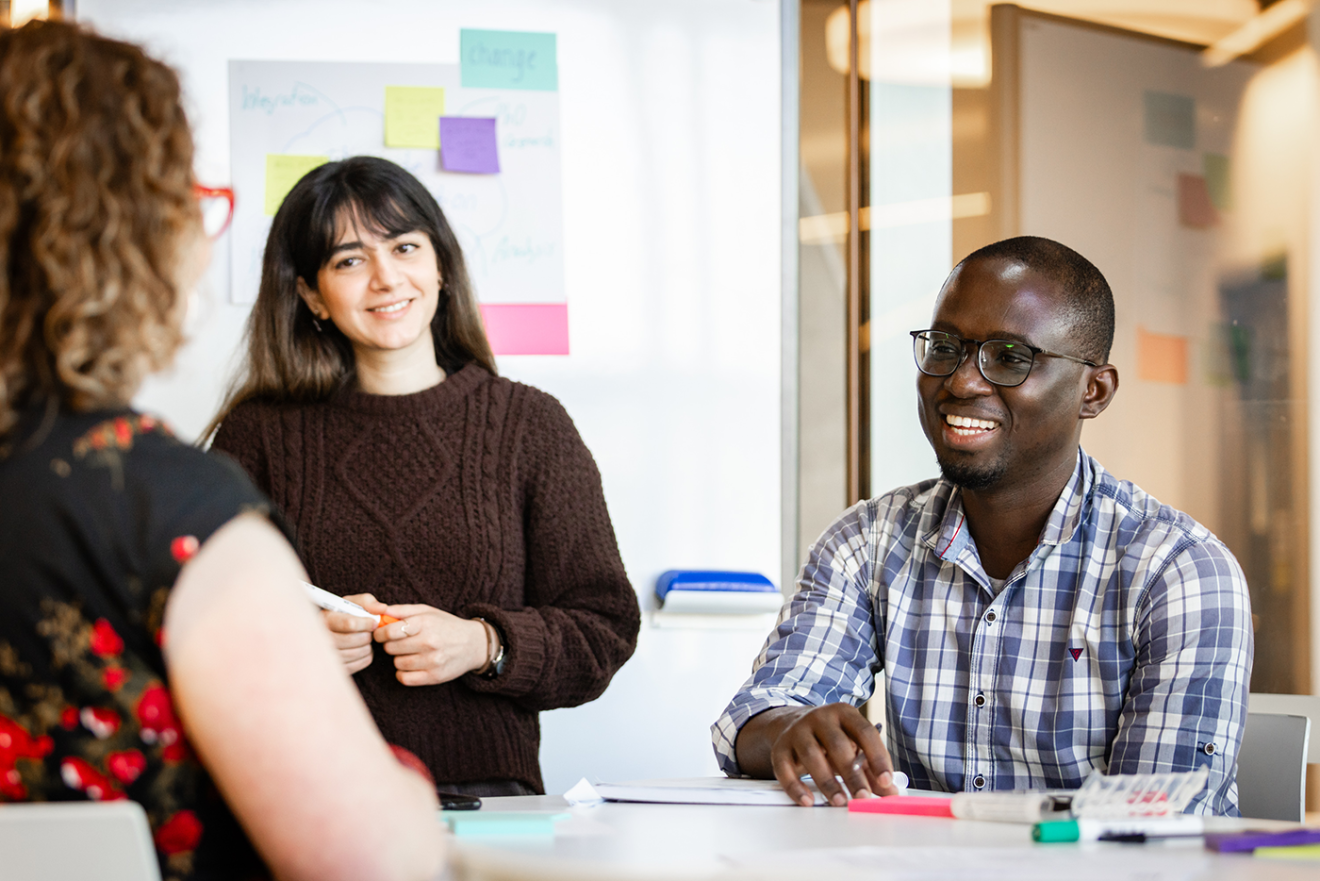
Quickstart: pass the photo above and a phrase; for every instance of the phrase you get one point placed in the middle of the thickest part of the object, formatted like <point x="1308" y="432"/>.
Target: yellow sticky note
<point x="412" y="116"/>
<point x="1301" y="852"/>
<point x="283" y="170"/>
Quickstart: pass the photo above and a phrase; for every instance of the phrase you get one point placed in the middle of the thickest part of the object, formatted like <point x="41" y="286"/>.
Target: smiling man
<point x="1035" y="617"/>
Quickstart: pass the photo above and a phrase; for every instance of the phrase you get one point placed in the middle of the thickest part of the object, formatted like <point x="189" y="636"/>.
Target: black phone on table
<point x="454" y="801"/>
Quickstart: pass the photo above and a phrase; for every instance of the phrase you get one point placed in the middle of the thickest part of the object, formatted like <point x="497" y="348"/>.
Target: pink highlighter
<point x="912" y="805"/>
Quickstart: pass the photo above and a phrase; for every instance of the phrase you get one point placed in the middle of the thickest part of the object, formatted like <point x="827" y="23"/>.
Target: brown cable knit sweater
<point x="478" y="497"/>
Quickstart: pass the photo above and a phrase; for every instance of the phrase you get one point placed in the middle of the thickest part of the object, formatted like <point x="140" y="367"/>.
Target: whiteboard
<point x="509" y="224"/>
<point x="1092" y="177"/>
<point x="671" y="181"/>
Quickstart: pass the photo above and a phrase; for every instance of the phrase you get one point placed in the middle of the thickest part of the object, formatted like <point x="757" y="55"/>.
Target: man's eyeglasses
<point x="1001" y="362"/>
<point x="217" y="209"/>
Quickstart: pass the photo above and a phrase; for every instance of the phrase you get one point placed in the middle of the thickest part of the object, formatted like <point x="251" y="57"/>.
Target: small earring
<point x="317" y="325"/>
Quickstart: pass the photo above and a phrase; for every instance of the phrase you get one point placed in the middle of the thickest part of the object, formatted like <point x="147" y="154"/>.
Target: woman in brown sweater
<point x="424" y="486"/>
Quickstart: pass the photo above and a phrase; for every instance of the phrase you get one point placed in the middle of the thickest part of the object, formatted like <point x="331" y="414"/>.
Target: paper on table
<point x="411" y="116"/>
<point x="943" y="863"/>
<point x="283" y="170"/>
<point x="467" y="143"/>
<point x="707" y="791"/>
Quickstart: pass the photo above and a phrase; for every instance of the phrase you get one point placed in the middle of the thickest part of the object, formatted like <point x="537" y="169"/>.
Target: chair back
<point x="1271" y="768"/>
<point x="55" y="841"/>
<point x="1307" y="705"/>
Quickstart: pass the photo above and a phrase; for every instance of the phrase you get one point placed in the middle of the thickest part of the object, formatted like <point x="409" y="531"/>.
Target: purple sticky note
<point x="467" y="143"/>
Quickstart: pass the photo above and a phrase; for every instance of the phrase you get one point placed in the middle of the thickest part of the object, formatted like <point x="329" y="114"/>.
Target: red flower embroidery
<point x="113" y="677"/>
<point x="17" y="743"/>
<point x="105" y="642"/>
<point x="158" y="724"/>
<point x="183" y="548"/>
<point x="100" y="721"/>
<point x="118" y="433"/>
<point x="69" y="718"/>
<point x="80" y="775"/>
<point x="180" y="833"/>
<point x="127" y="765"/>
<point x="410" y="761"/>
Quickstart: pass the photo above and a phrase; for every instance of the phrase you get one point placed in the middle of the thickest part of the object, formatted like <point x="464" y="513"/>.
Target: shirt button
<point x="1208" y="749"/>
<point x="978" y="781"/>
<point x="979" y="700"/>
<point x="990" y="617"/>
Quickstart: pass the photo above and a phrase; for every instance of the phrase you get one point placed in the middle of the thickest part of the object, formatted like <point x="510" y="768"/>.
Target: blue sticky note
<point x="502" y="823"/>
<point x="467" y="143"/>
<point x="1170" y="120"/>
<point x="508" y="60"/>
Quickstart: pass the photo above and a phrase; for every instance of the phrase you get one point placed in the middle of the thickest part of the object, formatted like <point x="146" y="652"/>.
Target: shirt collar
<point x="951" y="540"/>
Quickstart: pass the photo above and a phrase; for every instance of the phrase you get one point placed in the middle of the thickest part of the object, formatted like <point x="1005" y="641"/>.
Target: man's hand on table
<point x="825" y="742"/>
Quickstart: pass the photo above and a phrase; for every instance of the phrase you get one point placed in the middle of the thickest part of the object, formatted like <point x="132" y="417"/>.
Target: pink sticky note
<point x="467" y="143"/>
<point x="1195" y="207"/>
<point x="526" y="328"/>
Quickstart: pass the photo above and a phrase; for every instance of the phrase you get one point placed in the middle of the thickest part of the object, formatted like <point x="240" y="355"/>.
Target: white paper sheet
<point x="1106" y="862"/>
<point x="705" y="791"/>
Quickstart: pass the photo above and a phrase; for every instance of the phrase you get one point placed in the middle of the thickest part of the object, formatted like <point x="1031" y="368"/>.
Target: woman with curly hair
<point x="154" y="642"/>
<point x="423" y="485"/>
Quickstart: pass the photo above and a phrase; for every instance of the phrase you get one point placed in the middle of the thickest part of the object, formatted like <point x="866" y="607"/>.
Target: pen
<point x="1143" y="837"/>
<point x="332" y="603"/>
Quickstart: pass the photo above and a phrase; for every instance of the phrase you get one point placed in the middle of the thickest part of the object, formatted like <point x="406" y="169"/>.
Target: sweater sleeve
<point x="581" y="617"/>
<point x="241" y="437"/>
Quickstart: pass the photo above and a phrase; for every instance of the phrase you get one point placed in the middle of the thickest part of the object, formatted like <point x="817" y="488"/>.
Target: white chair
<point x="1271" y="767"/>
<point x="74" y="841"/>
<point x="1307" y="705"/>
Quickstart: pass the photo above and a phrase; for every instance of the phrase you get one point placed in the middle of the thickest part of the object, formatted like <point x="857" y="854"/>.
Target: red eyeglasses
<point x="217" y="209"/>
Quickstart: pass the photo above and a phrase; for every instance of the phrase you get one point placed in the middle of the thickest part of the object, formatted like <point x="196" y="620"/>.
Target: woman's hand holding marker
<point x="351" y="621"/>
<point x="431" y="646"/>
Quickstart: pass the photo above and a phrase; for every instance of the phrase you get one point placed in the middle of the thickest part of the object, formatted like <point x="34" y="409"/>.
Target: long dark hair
<point x="288" y="358"/>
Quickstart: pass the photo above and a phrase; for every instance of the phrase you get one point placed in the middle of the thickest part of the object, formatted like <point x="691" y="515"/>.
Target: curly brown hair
<point x="96" y="203"/>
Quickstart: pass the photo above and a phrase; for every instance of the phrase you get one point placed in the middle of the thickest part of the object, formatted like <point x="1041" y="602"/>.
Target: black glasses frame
<point x="980" y="366"/>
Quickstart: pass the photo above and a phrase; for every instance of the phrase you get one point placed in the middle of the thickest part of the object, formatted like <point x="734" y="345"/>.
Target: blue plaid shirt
<point x="1122" y="643"/>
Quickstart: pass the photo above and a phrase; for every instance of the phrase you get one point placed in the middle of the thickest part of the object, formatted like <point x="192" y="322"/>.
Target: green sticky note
<point x="508" y="60"/>
<point x="1170" y="120"/>
<point x="498" y="823"/>
<point x="282" y="172"/>
<point x="412" y="116"/>
<point x="1215" y="167"/>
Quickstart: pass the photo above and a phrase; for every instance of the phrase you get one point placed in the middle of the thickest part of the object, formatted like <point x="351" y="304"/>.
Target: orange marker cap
<point x="387" y="619"/>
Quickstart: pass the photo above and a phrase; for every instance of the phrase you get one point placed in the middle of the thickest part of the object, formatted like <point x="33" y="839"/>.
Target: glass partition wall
<point x="1173" y="144"/>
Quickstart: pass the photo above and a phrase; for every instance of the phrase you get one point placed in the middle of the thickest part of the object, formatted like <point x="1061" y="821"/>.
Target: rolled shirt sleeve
<point x="1187" y="696"/>
<point x="823" y="649"/>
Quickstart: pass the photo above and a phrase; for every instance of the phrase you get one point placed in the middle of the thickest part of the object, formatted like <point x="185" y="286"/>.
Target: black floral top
<point x="97" y="514"/>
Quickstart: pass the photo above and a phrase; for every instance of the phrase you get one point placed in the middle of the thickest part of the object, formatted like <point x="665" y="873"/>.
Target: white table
<point x="643" y="841"/>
